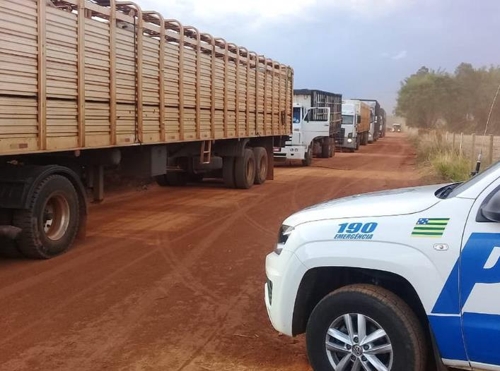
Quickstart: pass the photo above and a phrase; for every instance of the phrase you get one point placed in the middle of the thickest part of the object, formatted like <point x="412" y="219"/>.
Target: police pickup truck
<point x="395" y="280"/>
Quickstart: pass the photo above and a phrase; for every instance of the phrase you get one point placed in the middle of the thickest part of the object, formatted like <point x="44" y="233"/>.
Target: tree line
<point x="457" y="102"/>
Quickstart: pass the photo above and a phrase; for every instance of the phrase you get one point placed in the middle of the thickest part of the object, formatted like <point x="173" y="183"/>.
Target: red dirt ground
<point x="172" y="278"/>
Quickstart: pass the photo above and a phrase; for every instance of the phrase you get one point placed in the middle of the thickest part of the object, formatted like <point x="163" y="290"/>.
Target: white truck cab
<point x="393" y="280"/>
<point x="310" y="127"/>
<point x="350" y="124"/>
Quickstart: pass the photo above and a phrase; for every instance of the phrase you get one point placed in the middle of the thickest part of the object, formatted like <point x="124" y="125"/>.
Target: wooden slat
<point x="42" y="79"/>
<point x="225" y="89"/>
<point x="265" y="91"/>
<point x="198" y="86"/>
<point x="247" y="84"/>
<point x="139" y="78"/>
<point x="237" y="93"/>
<point x="81" y="73"/>
<point x="181" y="84"/>
<point x="273" y="127"/>
<point x="212" y="93"/>
<point x="162" y="80"/>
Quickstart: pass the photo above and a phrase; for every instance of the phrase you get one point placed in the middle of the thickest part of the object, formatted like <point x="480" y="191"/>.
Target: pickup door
<point x="480" y="281"/>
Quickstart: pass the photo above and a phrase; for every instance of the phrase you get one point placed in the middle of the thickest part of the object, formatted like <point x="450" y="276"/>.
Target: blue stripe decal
<point x="482" y="332"/>
<point x="448" y="334"/>
<point x="448" y="301"/>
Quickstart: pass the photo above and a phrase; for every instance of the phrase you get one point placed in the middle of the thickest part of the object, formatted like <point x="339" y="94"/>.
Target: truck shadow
<point x="9" y="251"/>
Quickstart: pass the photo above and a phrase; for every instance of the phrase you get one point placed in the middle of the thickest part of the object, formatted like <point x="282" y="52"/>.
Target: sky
<point x="360" y="48"/>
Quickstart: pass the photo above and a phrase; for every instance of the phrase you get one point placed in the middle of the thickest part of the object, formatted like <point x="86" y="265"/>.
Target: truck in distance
<point x="316" y="127"/>
<point x="396" y="128"/>
<point x="90" y="84"/>
<point x="355" y="123"/>
<point x="377" y="121"/>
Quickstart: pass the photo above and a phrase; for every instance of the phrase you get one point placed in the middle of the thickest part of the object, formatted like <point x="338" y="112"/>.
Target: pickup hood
<point x="386" y="203"/>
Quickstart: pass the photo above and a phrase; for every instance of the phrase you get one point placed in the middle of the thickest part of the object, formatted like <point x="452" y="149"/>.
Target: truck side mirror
<point x="491" y="209"/>
<point x="358" y="119"/>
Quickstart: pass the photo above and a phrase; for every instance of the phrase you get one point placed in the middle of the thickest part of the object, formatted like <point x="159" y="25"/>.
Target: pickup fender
<point x="423" y="275"/>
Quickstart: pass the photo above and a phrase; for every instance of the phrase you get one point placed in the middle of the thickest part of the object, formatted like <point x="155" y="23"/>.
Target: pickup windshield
<point x="455" y="189"/>
<point x="347" y="119"/>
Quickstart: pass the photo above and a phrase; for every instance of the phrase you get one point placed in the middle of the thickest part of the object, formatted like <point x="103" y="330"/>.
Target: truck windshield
<point x="347" y="119"/>
<point x="296" y="115"/>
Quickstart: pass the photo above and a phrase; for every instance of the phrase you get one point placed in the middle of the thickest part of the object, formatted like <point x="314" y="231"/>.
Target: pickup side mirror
<point x="491" y="208"/>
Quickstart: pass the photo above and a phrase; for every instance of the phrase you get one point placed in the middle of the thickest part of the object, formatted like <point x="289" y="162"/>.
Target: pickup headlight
<point x="285" y="232"/>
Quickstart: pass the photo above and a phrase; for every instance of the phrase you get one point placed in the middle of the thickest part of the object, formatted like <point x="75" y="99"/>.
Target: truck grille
<point x="269" y="284"/>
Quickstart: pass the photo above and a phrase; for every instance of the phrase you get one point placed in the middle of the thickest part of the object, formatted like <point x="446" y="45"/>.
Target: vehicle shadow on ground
<point x="9" y="251"/>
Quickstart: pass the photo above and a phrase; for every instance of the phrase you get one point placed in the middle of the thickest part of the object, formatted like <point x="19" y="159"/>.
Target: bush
<point x="451" y="166"/>
<point x="435" y="154"/>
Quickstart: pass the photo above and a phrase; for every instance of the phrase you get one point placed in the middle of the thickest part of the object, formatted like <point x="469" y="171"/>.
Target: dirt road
<point x="172" y="278"/>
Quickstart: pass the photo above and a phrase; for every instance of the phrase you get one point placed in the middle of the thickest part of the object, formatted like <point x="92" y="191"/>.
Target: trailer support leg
<point x="98" y="182"/>
<point x="270" y="160"/>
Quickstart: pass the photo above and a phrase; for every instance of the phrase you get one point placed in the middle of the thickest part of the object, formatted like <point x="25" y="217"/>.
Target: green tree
<point x="460" y="101"/>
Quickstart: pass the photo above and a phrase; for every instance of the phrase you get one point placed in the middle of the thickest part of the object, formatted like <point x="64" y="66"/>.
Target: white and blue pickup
<point x="394" y="280"/>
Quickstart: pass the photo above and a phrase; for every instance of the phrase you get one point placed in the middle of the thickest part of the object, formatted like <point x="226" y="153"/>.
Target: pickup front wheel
<point x="364" y="327"/>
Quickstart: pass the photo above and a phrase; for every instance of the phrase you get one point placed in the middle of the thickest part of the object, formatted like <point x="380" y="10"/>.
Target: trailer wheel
<point x="261" y="164"/>
<point x="177" y="178"/>
<point x="8" y="248"/>
<point x="228" y="172"/>
<point x="244" y="170"/>
<point x="365" y="327"/>
<point x="364" y="139"/>
<point x="173" y="179"/>
<point x="161" y="180"/>
<point x="196" y="177"/>
<point x="307" y="161"/>
<point x="50" y="225"/>
<point x="326" y="148"/>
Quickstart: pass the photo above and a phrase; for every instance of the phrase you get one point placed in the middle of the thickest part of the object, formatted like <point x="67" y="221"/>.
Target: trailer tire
<point x="172" y="179"/>
<point x="161" y="180"/>
<point x="307" y="161"/>
<point x="196" y="177"/>
<point x="261" y="164"/>
<point x="332" y="149"/>
<point x="9" y="249"/>
<point x="57" y="197"/>
<point x="358" y="140"/>
<point x="176" y="178"/>
<point x="326" y="148"/>
<point x="228" y="172"/>
<point x="363" y="139"/>
<point x="244" y="170"/>
<point x="381" y="311"/>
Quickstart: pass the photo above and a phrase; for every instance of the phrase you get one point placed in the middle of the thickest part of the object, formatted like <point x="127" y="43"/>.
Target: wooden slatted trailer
<point x="85" y="85"/>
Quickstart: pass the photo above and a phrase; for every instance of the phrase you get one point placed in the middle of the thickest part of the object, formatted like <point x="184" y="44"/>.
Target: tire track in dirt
<point x="163" y="287"/>
<point x="93" y="286"/>
<point x="335" y="191"/>
<point x="178" y="279"/>
<point x="218" y="331"/>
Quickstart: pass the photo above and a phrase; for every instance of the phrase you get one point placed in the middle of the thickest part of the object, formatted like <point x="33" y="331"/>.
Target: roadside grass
<point x="438" y="158"/>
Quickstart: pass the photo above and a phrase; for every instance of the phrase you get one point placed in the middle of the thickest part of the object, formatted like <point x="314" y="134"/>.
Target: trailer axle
<point x="9" y="231"/>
